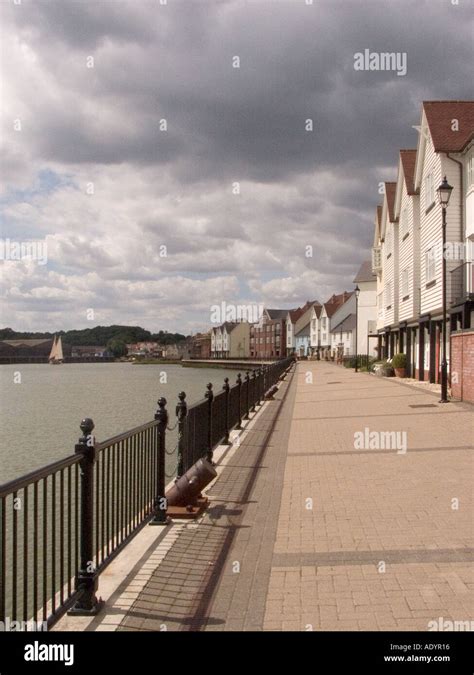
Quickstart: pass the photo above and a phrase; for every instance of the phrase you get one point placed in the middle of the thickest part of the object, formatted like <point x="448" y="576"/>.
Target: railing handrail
<point x="38" y="474"/>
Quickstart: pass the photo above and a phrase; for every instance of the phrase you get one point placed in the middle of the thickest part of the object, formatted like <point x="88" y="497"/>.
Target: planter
<point x="400" y="372"/>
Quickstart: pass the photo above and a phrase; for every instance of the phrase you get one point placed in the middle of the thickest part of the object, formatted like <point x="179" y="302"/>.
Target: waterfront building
<point x="268" y="335"/>
<point x="231" y="340"/>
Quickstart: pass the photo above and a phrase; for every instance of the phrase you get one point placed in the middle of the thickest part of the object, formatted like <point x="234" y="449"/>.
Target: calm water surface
<point x="40" y="417"/>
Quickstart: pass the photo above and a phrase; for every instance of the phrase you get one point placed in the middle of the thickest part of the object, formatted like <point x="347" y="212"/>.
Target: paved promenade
<point x="309" y="530"/>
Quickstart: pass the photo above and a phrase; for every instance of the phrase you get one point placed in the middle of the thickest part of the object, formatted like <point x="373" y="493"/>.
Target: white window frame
<point x="405" y="282"/>
<point x="470" y="172"/>
<point x="430" y="265"/>
<point x="388" y="294"/>
<point x="388" y="241"/>
<point x="429" y="190"/>
<point x="404" y="222"/>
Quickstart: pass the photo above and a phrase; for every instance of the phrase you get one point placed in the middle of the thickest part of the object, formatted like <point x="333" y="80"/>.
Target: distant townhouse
<point x="291" y="319"/>
<point x="230" y="340"/>
<point x="342" y="326"/>
<point x="389" y="238"/>
<point x="366" y="280"/>
<point x="298" y="329"/>
<point x="303" y="330"/>
<point x="407" y="213"/>
<point x="320" y="328"/>
<point x="145" y="348"/>
<point x="89" y="351"/>
<point x="268" y="336"/>
<point x="200" y="346"/>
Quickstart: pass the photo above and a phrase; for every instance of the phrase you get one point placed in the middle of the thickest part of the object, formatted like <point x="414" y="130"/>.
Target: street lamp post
<point x="356" y="291"/>
<point x="444" y="193"/>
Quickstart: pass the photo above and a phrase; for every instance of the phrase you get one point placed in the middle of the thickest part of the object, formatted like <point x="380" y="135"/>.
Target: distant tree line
<point x="100" y="336"/>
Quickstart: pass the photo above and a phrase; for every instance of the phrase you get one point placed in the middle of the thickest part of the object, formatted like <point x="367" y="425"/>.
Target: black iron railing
<point x="61" y="525"/>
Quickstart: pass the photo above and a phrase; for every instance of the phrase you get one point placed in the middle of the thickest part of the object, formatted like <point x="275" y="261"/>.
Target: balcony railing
<point x="376" y="259"/>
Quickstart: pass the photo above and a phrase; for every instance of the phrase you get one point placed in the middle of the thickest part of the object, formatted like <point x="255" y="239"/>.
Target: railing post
<point x="210" y="397"/>
<point x="247" y="395"/>
<point x="226" y="388"/>
<point x="181" y="412"/>
<point x="252" y="409"/>
<point x="239" y="386"/>
<point x="160" y="504"/>
<point x="87" y="578"/>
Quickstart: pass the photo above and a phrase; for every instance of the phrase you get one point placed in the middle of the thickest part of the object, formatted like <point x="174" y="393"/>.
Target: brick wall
<point x="462" y="365"/>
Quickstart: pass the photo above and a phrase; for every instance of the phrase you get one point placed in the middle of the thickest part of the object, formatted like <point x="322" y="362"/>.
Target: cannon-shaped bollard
<point x="184" y="498"/>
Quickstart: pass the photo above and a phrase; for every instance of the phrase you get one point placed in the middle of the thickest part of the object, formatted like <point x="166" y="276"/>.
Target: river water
<point x="41" y="406"/>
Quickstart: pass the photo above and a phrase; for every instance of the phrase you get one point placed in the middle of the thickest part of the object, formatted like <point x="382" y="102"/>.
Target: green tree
<point x="117" y="347"/>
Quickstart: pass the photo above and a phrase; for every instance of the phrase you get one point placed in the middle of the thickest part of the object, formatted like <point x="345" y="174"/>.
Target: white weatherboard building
<point x="407" y="255"/>
<point x="366" y="311"/>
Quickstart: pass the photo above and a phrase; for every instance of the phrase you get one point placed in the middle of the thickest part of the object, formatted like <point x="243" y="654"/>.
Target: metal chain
<point x="172" y="428"/>
<point x="172" y="474"/>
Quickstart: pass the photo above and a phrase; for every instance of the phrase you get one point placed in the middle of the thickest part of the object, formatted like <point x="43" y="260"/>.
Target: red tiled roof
<point x="440" y="116"/>
<point x="390" y="196"/>
<point x="295" y="314"/>
<point x="408" y="158"/>
<point x="335" y="301"/>
<point x="378" y="214"/>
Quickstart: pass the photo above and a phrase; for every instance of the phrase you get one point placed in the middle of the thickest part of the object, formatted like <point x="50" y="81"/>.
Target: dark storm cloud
<point x="227" y="125"/>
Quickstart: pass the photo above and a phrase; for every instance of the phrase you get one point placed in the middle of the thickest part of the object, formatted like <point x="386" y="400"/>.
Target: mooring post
<point x="181" y="412"/>
<point x="160" y="504"/>
<point x="87" y="578"/>
<point x="247" y="395"/>
<point x="210" y="397"/>
<point x="239" y="388"/>
<point x="226" y="388"/>
<point x="254" y="390"/>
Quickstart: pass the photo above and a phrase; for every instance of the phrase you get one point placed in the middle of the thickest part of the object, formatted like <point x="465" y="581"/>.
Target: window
<point x="388" y="242"/>
<point x="405" y="287"/>
<point x="429" y="190"/>
<point x="404" y="222"/>
<point x="430" y="265"/>
<point x="388" y="295"/>
<point x="323" y="323"/>
<point x="470" y="172"/>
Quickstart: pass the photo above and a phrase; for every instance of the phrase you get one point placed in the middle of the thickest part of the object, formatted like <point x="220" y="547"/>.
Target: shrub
<point x="399" y="361"/>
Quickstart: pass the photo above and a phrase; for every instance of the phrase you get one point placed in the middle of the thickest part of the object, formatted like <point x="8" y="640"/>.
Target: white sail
<point x="52" y="355"/>
<point x="59" y="349"/>
<point x="56" y="355"/>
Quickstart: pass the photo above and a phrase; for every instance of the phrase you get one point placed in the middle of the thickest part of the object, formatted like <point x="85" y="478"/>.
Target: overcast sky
<point x="86" y="167"/>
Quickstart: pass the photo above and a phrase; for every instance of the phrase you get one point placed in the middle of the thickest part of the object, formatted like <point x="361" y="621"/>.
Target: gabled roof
<point x="277" y="313"/>
<point x="26" y="342"/>
<point x="365" y="273"/>
<point x="440" y="116"/>
<point x="390" y="197"/>
<point x="229" y="326"/>
<point x="378" y="225"/>
<point x="347" y="324"/>
<point x="295" y="314"/>
<point x="304" y="331"/>
<point x="335" y="301"/>
<point x="408" y="160"/>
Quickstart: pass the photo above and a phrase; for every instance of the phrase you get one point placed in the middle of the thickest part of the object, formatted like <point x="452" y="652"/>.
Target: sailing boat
<point x="56" y="355"/>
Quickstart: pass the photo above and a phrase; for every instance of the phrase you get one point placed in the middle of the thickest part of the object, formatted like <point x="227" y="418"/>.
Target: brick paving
<point x="307" y="532"/>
